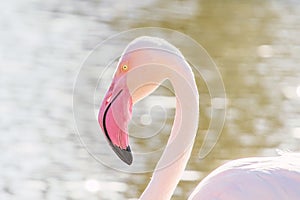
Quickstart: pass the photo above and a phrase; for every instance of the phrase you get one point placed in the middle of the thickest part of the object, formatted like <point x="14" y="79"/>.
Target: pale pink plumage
<point x="267" y="178"/>
<point x="151" y="61"/>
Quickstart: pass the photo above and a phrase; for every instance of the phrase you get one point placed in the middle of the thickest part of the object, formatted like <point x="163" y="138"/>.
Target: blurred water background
<point x="255" y="44"/>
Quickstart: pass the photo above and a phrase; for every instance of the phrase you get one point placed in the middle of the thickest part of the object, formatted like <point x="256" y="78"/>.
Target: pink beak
<point x="114" y="116"/>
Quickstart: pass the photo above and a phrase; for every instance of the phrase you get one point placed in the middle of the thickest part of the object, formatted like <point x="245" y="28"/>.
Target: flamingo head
<point x="136" y="77"/>
<point x="128" y="86"/>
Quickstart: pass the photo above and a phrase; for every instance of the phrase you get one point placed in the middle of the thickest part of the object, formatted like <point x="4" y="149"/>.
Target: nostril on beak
<point x="108" y="99"/>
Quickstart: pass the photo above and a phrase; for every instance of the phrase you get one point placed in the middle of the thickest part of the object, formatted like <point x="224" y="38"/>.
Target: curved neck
<point x="171" y="165"/>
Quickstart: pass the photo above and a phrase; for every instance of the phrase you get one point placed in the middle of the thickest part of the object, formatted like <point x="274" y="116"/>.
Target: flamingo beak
<point x="114" y="116"/>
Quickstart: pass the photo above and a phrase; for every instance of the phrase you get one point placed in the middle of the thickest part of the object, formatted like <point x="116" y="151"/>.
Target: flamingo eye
<point x="124" y="67"/>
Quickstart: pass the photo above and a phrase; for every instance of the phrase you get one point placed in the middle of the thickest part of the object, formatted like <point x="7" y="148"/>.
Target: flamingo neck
<point x="174" y="159"/>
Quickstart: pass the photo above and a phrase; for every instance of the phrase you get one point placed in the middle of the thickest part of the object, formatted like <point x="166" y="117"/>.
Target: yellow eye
<point x="124" y="67"/>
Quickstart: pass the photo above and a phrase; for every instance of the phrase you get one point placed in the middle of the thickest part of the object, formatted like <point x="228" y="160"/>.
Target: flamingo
<point x="144" y="65"/>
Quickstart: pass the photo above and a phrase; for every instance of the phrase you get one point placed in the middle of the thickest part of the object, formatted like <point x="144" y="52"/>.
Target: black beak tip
<point x="124" y="154"/>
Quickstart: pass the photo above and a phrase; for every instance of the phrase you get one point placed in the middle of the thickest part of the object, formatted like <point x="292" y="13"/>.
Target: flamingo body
<point x="268" y="178"/>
